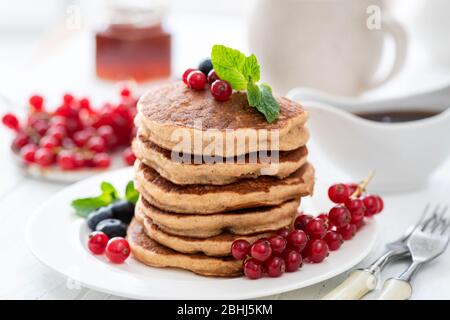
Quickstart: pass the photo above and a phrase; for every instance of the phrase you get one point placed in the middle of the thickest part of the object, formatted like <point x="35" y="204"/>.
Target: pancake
<point x="171" y="111"/>
<point x="153" y="254"/>
<point x="242" y="222"/>
<point x="206" y="199"/>
<point x="216" y="246"/>
<point x="224" y="171"/>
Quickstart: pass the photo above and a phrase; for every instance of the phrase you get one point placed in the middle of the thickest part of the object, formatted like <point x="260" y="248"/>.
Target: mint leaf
<point x="243" y="73"/>
<point x="131" y="193"/>
<point x="108" y="188"/>
<point x="262" y="99"/>
<point x="228" y="64"/>
<point x="84" y="206"/>
<point x="253" y="94"/>
<point x="268" y="106"/>
<point x="251" y="69"/>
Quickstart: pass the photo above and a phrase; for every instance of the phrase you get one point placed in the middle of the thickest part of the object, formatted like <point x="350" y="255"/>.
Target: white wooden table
<point x="23" y="276"/>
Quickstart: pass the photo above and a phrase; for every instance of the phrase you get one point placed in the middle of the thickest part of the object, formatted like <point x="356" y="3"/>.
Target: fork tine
<point x="420" y="222"/>
<point x="430" y="222"/>
<point x="446" y="222"/>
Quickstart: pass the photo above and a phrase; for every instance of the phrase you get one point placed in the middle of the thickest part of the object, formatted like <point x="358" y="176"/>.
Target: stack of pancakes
<point x="204" y="181"/>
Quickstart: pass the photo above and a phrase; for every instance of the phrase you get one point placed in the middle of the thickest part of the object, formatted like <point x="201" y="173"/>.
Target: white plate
<point x="57" y="237"/>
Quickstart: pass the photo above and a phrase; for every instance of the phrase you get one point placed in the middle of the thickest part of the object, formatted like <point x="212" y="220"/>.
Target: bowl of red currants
<point x="74" y="139"/>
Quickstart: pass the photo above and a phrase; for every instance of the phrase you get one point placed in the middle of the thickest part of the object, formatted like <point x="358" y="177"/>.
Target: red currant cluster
<point x="116" y="249"/>
<point x="312" y="237"/>
<point x="196" y="79"/>
<point x="75" y="135"/>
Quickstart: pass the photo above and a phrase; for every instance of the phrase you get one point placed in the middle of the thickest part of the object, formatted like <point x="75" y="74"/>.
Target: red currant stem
<point x="363" y="185"/>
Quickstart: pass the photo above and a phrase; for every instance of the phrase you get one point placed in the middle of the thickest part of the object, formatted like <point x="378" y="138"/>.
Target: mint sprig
<point x="84" y="206"/>
<point x="243" y="73"/>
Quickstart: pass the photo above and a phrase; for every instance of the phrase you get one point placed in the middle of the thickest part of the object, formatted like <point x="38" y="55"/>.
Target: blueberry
<point x="205" y="66"/>
<point x="95" y="217"/>
<point x="123" y="210"/>
<point x="112" y="228"/>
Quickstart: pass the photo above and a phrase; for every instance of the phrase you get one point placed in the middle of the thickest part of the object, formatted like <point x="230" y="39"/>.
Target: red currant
<point x="107" y="134"/>
<point x="339" y="216"/>
<point x="380" y="204"/>
<point x="348" y="231"/>
<point x="297" y="240"/>
<point x="324" y="217"/>
<point x="334" y="240"/>
<point x="28" y="153"/>
<point x="125" y="92"/>
<point x="68" y="143"/>
<point x="196" y="80"/>
<point x="101" y="160"/>
<point x="301" y="221"/>
<point x="58" y="121"/>
<point x="292" y="259"/>
<point x="261" y="250"/>
<point x="44" y="157"/>
<point x="49" y="142"/>
<point x="283" y="232"/>
<point x="128" y="156"/>
<point x="338" y="193"/>
<point x="316" y="228"/>
<point x="278" y="244"/>
<point x="68" y="98"/>
<point x="212" y="76"/>
<point x="41" y="126"/>
<point x="67" y="160"/>
<point x="96" y="144"/>
<point x="37" y="102"/>
<point x="80" y="138"/>
<point x="186" y="74"/>
<point x="11" y="121"/>
<point x="240" y="249"/>
<point x="221" y="90"/>
<point x="253" y="269"/>
<point x="352" y="187"/>
<point x="20" y="141"/>
<point x="275" y="266"/>
<point x="356" y="208"/>
<point x="316" y="251"/>
<point x="372" y="205"/>
<point x="97" y="242"/>
<point x="117" y="250"/>
<point x="85" y="104"/>
<point x="58" y="132"/>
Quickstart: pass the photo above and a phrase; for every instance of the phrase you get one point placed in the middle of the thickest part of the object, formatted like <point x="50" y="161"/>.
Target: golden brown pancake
<point x="153" y="254"/>
<point x="172" y="110"/>
<point x="207" y="199"/>
<point x="240" y="222"/>
<point x="216" y="246"/>
<point x="224" y="171"/>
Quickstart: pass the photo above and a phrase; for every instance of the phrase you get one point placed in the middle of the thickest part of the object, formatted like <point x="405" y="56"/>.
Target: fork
<point x="362" y="281"/>
<point x="425" y="244"/>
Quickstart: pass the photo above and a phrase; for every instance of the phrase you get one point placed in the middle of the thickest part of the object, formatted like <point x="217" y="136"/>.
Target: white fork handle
<point x="358" y="284"/>
<point x="395" y="289"/>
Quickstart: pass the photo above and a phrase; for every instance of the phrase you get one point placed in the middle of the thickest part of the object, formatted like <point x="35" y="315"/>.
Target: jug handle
<point x="398" y="33"/>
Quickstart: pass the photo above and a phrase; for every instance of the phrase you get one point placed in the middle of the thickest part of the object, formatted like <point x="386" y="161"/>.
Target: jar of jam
<point x="132" y="43"/>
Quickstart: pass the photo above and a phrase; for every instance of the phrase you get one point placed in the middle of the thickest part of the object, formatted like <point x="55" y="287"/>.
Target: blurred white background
<point x="37" y="51"/>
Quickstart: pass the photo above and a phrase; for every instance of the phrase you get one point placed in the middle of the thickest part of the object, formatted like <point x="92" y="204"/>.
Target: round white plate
<point x="57" y="237"/>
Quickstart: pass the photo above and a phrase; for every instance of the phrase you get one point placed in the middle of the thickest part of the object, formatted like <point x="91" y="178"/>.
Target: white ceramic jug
<point x="327" y="45"/>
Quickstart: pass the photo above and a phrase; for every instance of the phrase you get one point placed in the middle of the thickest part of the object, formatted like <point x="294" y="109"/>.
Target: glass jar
<point x="132" y="43"/>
